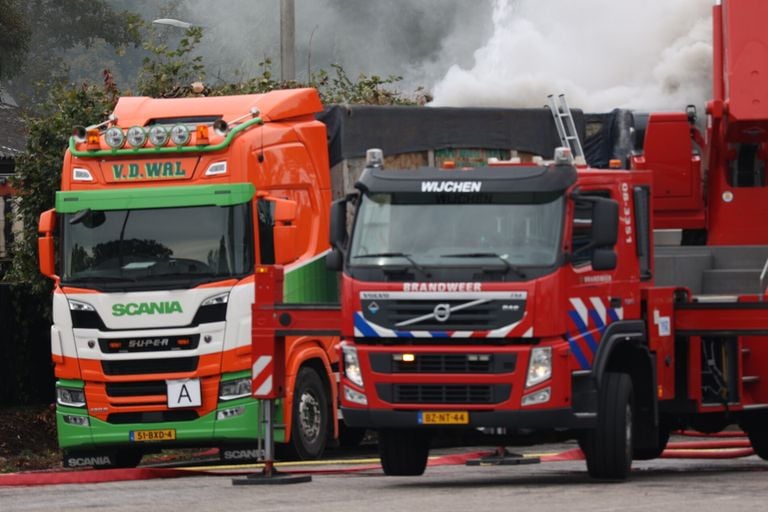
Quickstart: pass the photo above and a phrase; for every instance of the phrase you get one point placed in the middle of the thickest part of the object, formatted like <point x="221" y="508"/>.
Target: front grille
<point x="149" y="344"/>
<point x="462" y="314"/>
<point x="147" y="388"/>
<point x="444" y="393"/>
<point x="121" y="418"/>
<point x="445" y="363"/>
<point x="150" y="366"/>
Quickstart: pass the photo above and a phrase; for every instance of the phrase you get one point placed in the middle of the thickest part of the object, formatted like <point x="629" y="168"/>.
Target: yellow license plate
<point x="443" y="417"/>
<point x="167" y="434"/>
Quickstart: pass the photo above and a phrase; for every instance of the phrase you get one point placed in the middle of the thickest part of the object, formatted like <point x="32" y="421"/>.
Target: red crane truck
<point x="527" y="299"/>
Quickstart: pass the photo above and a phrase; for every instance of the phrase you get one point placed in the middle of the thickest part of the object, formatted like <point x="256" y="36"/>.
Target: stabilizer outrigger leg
<point x="503" y="457"/>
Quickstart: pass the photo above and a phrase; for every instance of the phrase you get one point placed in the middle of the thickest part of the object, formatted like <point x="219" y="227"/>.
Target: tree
<point x="54" y="27"/>
<point x="14" y="38"/>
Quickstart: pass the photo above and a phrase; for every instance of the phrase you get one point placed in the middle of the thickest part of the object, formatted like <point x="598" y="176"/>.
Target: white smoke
<point x="602" y="54"/>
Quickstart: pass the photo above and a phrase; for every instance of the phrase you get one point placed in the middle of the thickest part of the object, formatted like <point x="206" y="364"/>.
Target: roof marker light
<point x="201" y="135"/>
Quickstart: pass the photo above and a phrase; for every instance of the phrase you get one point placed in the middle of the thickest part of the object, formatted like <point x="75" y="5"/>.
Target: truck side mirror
<point x="286" y="235"/>
<point x="334" y="260"/>
<point x="46" y="247"/>
<point x="603" y="259"/>
<point x="605" y="222"/>
<point x="339" y="235"/>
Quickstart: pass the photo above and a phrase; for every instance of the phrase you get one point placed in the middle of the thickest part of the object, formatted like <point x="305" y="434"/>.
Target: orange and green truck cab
<point x="164" y="212"/>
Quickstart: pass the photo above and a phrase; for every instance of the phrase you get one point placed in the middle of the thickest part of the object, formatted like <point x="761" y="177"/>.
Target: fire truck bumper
<point x="549" y="418"/>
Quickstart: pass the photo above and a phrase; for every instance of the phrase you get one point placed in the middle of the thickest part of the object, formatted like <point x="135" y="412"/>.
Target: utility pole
<point x="287" y="40"/>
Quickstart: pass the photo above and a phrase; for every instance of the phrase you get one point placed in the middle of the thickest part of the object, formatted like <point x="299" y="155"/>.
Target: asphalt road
<point x="664" y="484"/>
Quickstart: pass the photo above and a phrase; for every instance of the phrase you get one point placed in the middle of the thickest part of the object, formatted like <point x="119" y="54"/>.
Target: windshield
<point x="180" y="246"/>
<point x="505" y="229"/>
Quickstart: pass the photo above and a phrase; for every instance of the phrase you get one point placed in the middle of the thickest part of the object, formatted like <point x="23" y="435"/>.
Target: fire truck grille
<point x="123" y="389"/>
<point x="150" y="366"/>
<point x="444" y="393"/>
<point x="444" y="363"/>
<point x="443" y="315"/>
<point x="121" y="418"/>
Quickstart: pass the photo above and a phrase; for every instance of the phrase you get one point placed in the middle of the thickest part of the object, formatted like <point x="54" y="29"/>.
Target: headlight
<point x="158" y="136"/>
<point x="76" y="305"/>
<point x="114" y="137"/>
<point x="221" y="298"/>
<point x="70" y="397"/>
<point x="180" y="135"/>
<point x="352" y="395"/>
<point x="137" y="136"/>
<point x="238" y="388"/>
<point x="540" y="366"/>
<point x="352" y="364"/>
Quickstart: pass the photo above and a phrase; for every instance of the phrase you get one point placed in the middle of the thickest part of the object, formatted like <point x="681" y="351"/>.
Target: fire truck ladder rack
<point x="272" y="321"/>
<point x="566" y="128"/>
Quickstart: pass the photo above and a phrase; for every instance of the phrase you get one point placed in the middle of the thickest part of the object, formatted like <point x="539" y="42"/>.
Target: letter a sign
<point x="184" y="393"/>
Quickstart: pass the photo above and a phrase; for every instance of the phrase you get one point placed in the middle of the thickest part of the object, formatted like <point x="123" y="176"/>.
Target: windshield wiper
<point x="396" y="255"/>
<point x="102" y="279"/>
<point x="507" y="266"/>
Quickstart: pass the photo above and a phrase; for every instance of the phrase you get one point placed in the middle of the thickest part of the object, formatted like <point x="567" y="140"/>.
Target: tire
<point x="655" y="452"/>
<point x="403" y="452"/>
<point x="310" y="422"/>
<point x="350" y="437"/>
<point x="759" y="439"/>
<point x="609" y="446"/>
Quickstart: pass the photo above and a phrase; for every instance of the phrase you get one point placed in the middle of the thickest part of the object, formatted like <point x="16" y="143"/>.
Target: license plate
<point x="443" y="417"/>
<point x="166" y="434"/>
<point x="184" y="393"/>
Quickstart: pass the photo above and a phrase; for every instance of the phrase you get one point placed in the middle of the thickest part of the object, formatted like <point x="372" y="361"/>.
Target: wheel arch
<point x="624" y="348"/>
<point x="309" y="352"/>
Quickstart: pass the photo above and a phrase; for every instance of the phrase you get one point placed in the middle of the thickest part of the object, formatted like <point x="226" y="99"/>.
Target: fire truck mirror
<point x="605" y="223"/>
<point x="603" y="259"/>
<point x="339" y="233"/>
<point x="334" y="260"/>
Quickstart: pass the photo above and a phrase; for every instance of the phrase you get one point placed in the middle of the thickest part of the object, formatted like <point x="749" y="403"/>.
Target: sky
<point x="602" y="54"/>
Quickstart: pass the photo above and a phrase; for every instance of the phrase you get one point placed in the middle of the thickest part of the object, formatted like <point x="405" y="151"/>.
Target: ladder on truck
<point x="566" y="128"/>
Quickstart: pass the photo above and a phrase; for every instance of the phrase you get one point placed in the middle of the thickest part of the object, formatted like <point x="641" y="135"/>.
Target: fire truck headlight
<point x="70" y="397"/>
<point x="540" y="366"/>
<point x="352" y="364"/>
<point x="238" y="388"/>
<point x="352" y="395"/>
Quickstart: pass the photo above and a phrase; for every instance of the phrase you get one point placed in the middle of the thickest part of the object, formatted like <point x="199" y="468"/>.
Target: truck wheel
<point x="609" y="446"/>
<point x="350" y="437"/>
<point x="403" y="452"/>
<point x="309" y="426"/>
<point x="759" y="439"/>
<point x="649" y="453"/>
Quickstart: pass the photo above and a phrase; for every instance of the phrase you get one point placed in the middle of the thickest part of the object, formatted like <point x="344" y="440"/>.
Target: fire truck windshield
<point x="500" y="229"/>
<point x="156" y="247"/>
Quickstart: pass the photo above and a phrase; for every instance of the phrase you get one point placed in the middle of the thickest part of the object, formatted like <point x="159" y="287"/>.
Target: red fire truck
<point x="529" y="300"/>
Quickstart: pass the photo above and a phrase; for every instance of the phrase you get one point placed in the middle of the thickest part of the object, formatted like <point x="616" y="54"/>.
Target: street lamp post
<point x="287" y="40"/>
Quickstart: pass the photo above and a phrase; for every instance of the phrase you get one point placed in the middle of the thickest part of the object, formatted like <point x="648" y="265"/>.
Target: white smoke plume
<point x="602" y="54"/>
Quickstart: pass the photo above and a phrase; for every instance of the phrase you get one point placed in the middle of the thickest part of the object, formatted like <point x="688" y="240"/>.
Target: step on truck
<point x="164" y="211"/>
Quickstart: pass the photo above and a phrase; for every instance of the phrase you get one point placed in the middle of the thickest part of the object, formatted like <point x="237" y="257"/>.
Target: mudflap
<point x="89" y="459"/>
